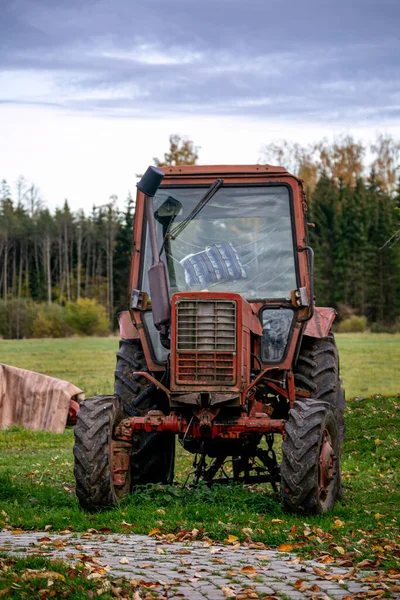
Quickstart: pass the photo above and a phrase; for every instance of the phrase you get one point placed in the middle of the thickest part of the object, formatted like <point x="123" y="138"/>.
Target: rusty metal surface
<point x="172" y="423"/>
<point x="320" y="324"/>
<point x="127" y="330"/>
<point x="35" y="401"/>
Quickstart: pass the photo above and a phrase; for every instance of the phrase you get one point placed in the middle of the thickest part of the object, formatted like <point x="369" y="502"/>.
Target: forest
<point x="65" y="272"/>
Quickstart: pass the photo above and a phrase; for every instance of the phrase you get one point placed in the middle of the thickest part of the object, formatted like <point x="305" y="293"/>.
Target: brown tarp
<point x="33" y="400"/>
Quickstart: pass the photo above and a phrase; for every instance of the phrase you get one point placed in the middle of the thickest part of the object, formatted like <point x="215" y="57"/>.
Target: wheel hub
<point x="326" y="465"/>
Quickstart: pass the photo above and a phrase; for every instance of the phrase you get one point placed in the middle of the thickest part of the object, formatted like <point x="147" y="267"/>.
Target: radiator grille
<point x="206" y="341"/>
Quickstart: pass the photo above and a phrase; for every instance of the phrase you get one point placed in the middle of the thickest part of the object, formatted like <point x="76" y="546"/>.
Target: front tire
<point x="310" y="469"/>
<point x="93" y="453"/>
<point x="153" y="454"/>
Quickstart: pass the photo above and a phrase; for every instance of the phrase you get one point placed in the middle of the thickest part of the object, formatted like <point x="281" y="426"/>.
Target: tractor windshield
<point x="240" y="241"/>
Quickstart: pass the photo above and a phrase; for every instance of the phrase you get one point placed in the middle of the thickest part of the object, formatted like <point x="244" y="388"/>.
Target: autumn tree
<point x="182" y="151"/>
<point x="386" y="163"/>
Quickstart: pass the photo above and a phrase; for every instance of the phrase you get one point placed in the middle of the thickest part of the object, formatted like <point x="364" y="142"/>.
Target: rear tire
<point x="93" y="453"/>
<point x="310" y="469"/>
<point x="317" y="372"/>
<point x="153" y="454"/>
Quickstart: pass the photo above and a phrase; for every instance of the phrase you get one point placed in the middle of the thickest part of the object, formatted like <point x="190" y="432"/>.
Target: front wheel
<point x="310" y="469"/>
<point x="93" y="454"/>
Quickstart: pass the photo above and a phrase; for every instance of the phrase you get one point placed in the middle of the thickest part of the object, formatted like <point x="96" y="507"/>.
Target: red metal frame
<point x="209" y="428"/>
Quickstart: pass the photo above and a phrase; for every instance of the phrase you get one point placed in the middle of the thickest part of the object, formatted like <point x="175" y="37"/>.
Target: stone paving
<point x="196" y="570"/>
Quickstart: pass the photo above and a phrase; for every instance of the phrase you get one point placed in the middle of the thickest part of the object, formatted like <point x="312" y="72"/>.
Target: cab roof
<point x="240" y="170"/>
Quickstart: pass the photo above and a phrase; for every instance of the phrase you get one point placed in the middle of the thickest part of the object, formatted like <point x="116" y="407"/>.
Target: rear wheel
<point x="93" y="453"/>
<point x="153" y="453"/>
<point x="310" y="469"/>
<point x="317" y="372"/>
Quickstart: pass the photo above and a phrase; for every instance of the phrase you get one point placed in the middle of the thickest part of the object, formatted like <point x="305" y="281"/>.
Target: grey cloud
<point x="278" y="58"/>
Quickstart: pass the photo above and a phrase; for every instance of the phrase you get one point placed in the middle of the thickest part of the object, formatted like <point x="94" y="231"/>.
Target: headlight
<point x="277" y="323"/>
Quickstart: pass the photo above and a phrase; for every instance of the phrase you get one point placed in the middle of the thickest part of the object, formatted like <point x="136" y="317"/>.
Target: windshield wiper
<point x="199" y="206"/>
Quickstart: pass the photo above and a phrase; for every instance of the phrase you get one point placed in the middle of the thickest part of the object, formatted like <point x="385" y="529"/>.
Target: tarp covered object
<point x="33" y="400"/>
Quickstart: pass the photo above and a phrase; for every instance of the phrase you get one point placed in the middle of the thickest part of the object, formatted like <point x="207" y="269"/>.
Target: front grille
<point x="206" y="341"/>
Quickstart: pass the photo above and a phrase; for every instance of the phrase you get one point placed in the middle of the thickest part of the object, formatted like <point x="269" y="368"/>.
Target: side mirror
<point x="168" y="211"/>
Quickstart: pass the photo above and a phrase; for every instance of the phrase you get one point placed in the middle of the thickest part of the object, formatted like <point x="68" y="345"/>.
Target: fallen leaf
<point x="326" y="559"/>
<point x="285" y="548"/>
<point x="228" y="592"/>
<point x="124" y="561"/>
<point x="319" y="572"/>
<point x="235" y="546"/>
<point x="154" y="531"/>
<point x="218" y="560"/>
<point x="17" y="531"/>
<point x="365" y="564"/>
<point x="249" y="570"/>
<point x="160" y="551"/>
<point x="338" y="523"/>
<point x="231" y="539"/>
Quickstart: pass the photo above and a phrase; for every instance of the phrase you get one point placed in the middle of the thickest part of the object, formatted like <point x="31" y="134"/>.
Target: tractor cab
<point x="231" y="231"/>
<point x="222" y="345"/>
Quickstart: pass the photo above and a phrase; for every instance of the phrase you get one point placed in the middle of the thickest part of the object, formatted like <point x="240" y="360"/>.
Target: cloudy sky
<point x="90" y="90"/>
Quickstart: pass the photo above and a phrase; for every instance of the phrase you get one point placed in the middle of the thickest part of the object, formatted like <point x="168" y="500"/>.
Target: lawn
<point x="369" y="362"/>
<point x="37" y="485"/>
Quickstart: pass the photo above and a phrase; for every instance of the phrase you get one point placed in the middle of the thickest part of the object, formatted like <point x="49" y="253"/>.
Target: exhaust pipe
<point x="158" y="276"/>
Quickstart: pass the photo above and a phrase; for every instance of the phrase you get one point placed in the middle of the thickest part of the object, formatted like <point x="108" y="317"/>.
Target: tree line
<point x="61" y="257"/>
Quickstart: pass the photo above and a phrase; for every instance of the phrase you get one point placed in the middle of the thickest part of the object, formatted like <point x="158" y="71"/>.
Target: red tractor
<point x="222" y="345"/>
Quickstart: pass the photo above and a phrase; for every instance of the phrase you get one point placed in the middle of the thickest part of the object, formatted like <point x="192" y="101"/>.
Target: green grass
<point x="42" y="578"/>
<point x="37" y="490"/>
<point x="87" y="362"/>
<point x="369" y="362"/>
<point x="37" y="484"/>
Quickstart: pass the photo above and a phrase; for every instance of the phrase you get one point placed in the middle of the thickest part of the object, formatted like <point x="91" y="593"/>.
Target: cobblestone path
<point x="198" y="571"/>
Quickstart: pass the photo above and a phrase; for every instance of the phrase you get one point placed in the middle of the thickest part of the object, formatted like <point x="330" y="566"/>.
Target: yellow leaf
<point x="277" y="521"/>
<point x="326" y="559"/>
<point x="249" y="569"/>
<point x="50" y="575"/>
<point x="231" y="539"/>
<point x="17" y="531"/>
<point x="154" y="531"/>
<point x="378" y="442"/>
<point x="285" y="548"/>
<point x="338" y="523"/>
<point x="235" y="546"/>
<point x="96" y="575"/>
